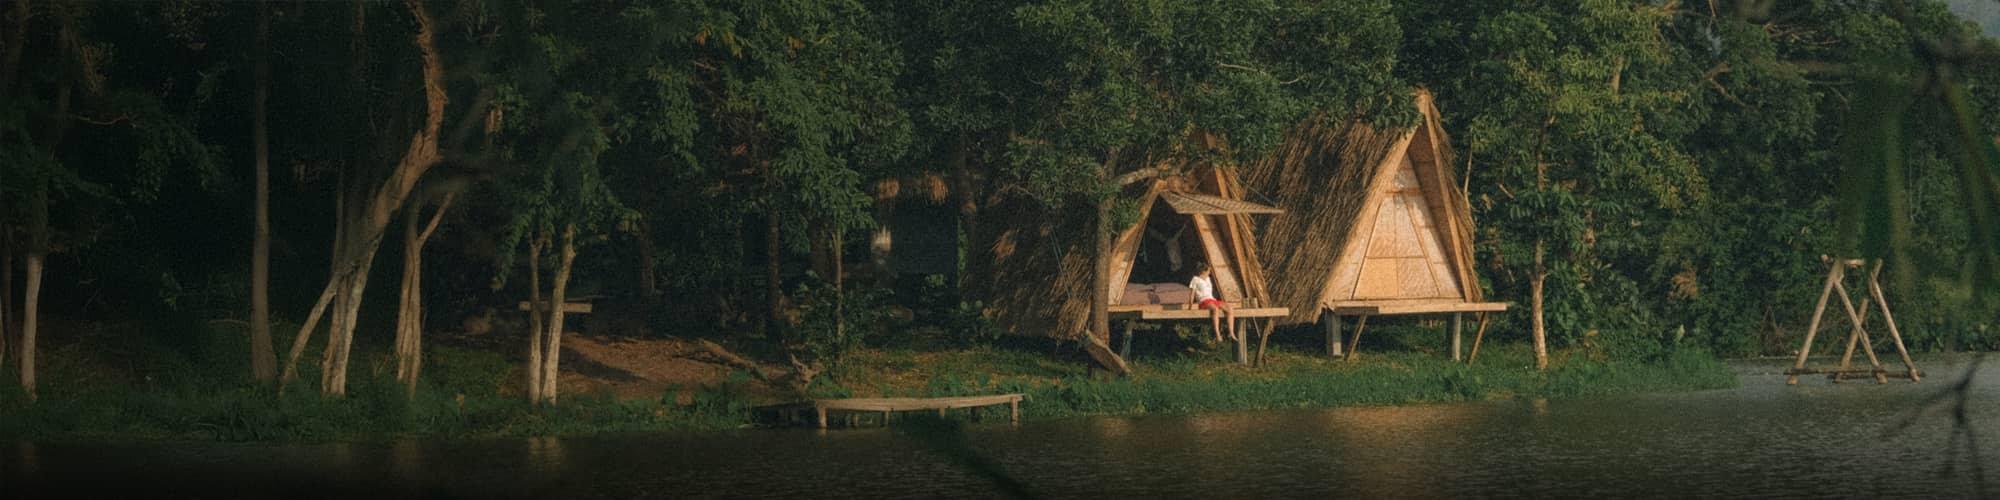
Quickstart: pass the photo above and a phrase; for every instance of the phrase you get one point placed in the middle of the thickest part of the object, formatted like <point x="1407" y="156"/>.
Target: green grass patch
<point x="201" y="393"/>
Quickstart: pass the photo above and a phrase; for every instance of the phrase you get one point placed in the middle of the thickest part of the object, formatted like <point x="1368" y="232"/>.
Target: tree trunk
<point x="30" y="317"/>
<point x="10" y="65"/>
<point x="839" y="291"/>
<point x="406" y="293"/>
<point x="410" y="317"/>
<point x="6" y="295"/>
<point x="372" y="211"/>
<point x="773" y="290"/>
<point x="1535" y="303"/>
<point x="340" y="340"/>
<point x="968" y="206"/>
<point x="31" y="295"/>
<point x="262" y="360"/>
<point x="1100" y="273"/>
<point x="17" y="37"/>
<point x="535" y="331"/>
<point x="649" y="278"/>
<point x="556" y="301"/>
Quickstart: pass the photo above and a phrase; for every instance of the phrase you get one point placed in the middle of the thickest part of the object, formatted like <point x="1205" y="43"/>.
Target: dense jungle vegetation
<point x="283" y="191"/>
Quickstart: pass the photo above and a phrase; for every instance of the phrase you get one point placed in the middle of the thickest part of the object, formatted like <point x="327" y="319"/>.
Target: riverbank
<point x="1207" y="381"/>
<point x="199" y="394"/>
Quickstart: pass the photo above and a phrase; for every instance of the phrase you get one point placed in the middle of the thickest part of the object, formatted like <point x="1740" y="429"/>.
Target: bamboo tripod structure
<point x="1835" y="276"/>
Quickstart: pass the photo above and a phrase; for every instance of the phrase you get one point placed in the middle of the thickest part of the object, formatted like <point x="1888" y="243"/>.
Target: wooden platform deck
<point x="819" y="408"/>
<point x="1180" y="311"/>
<point x="1160" y="312"/>
<point x="1393" y="308"/>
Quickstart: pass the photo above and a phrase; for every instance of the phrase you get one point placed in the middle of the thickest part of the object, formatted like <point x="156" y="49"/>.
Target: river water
<point x="1763" y="439"/>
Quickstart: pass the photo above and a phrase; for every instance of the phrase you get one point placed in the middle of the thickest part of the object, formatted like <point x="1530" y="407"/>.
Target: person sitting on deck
<point x="1204" y="297"/>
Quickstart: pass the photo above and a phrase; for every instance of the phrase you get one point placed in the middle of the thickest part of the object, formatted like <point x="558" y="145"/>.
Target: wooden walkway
<point x="819" y="408"/>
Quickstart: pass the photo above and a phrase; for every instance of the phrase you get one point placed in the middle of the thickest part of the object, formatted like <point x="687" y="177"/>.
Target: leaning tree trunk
<point x="557" y="293"/>
<point x="374" y="210"/>
<point x="410" y="317"/>
<point x="1535" y="303"/>
<point x="262" y="359"/>
<point x="347" y="310"/>
<point x="534" y="370"/>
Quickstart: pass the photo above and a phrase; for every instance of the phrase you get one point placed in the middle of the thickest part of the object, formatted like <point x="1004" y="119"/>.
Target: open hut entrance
<point x="1168" y="250"/>
<point x="1185" y="222"/>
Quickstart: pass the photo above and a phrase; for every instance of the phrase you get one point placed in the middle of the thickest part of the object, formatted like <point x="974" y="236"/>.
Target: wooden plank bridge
<point x="820" y="408"/>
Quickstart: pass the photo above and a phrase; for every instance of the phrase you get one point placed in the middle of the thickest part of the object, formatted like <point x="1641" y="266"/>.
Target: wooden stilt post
<point x="1812" y="327"/>
<point x="1457" y="327"/>
<point x="1243" y="345"/>
<point x="1262" y="340"/>
<point x="822" y="416"/>
<point x="1476" y="337"/>
<point x="1354" y="346"/>
<point x="1125" y="349"/>
<point x="1333" y="340"/>
<point x="1875" y="288"/>
<point x="1014" y="411"/>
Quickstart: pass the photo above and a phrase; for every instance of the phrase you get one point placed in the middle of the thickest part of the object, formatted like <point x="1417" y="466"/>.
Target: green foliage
<point x="833" y="322"/>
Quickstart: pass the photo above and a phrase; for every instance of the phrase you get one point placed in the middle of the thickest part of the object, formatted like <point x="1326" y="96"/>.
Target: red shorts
<point x="1210" y="304"/>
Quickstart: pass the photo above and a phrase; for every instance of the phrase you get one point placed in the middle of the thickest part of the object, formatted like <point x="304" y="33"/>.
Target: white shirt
<point x="1203" y="290"/>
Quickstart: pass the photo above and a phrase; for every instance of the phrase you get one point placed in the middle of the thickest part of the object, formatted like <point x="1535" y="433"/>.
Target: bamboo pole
<point x="1354" y="346"/>
<point x="1476" y="337"/>
<point x="1875" y="288"/>
<point x="1847" y="355"/>
<point x="1812" y="327"/>
<point x="1868" y="345"/>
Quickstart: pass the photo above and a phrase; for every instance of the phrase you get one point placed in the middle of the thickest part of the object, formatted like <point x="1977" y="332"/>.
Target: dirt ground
<point x="635" y="368"/>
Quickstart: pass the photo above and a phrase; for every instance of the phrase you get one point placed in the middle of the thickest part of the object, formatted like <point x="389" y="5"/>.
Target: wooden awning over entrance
<point x="1201" y="204"/>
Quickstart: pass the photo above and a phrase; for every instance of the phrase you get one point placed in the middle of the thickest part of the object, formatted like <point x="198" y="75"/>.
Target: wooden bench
<point x="884" y="406"/>
<point x="1169" y="312"/>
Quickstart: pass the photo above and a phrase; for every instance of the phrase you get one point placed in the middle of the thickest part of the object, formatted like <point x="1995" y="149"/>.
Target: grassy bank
<point x="200" y="393"/>
<point x="1201" y="382"/>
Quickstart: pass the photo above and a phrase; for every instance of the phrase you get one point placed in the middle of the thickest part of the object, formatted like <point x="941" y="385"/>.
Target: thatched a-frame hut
<point x="1039" y="263"/>
<point x="1378" y="224"/>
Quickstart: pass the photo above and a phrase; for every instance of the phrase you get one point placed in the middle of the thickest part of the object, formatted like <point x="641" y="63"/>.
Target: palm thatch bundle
<point x="1033" y="270"/>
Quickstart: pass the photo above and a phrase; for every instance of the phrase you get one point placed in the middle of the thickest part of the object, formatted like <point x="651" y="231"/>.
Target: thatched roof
<point x="1320" y="175"/>
<point x="1032" y="268"/>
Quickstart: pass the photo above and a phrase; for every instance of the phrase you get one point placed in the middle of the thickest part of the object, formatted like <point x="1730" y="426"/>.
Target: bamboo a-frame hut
<point x="1040" y="263"/>
<point x="1378" y="224"/>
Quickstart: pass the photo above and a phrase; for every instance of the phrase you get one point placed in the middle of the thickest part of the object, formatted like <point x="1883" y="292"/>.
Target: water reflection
<point x="545" y="455"/>
<point x="1814" y="440"/>
<point x="407" y="457"/>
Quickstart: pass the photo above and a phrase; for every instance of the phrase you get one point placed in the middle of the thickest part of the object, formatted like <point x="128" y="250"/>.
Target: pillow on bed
<point x="1139" y="294"/>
